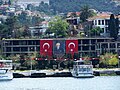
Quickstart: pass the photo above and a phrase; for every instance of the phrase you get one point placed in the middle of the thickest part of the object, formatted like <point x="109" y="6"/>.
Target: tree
<point x="109" y="59"/>
<point x="86" y="13"/>
<point x="14" y="58"/>
<point x="24" y="19"/>
<point x="86" y="59"/>
<point x="58" y="26"/>
<point x="26" y="32"/>
<point x="36" y="20"/>
<point x="3" y="31"/>
<point x="9" y="2"/>
<point x="30" y="7"/>
<point x="30" y="61"/>
<point x="117" y="25"/>
<point x="112" y="27"/>
<point x="96" y="31"/>
<point x="1" y="2"/>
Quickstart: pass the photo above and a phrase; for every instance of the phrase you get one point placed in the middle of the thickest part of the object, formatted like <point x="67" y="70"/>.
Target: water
<point x="62" y="83"/>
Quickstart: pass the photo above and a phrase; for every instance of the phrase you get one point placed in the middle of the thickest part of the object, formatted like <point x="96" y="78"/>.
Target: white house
<point x="39" y="30"/>
<point x="102" y="20"/>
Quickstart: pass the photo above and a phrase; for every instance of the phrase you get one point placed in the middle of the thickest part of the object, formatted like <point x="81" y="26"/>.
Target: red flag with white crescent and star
<point x="46" y="47"/>
<point x="72" y="46"/>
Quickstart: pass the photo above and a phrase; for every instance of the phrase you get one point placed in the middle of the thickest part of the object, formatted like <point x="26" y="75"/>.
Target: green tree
<point x="36" y="20"/>
<point x="30" y="61"/>
<point x="31" y="7"/>
<point x="9" y="27"/>
<point x="109" y="59"/>
<point x="112" y="26"/>
<point x="24" y="19"/>
<point x="86" y="59"/>
<point x="86" y="13"/>
<point x="9" y="2"/>
<point x="14" y="58"/>
<point x="1" y="2"/>
<point x="95" y="31"/>
<point x="3" y="31"/>
<point x="58" y="26"/>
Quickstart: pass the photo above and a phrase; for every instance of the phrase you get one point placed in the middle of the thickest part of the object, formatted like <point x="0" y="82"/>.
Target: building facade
<point x="85" y="46"/>
<point x="111" y="47"/>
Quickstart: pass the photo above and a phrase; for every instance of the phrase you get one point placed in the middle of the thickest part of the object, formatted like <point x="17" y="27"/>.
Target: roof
<point x="102" y="16"/>
<point x="5" y="60"/>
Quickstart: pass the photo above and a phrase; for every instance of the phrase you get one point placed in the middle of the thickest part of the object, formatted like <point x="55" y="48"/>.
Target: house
<point x="39" y="29"/>
<point x="101" y="20"/>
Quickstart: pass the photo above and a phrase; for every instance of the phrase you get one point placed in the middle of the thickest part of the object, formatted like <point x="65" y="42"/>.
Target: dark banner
<point x="59" y="47"/>
<point x="72" y="46"/>
<point x="46" y="46"/>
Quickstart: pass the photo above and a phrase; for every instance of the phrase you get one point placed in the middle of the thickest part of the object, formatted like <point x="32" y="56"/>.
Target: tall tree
<point x="58" y="26"/>
<point x="9" y="2"/>
<point x="112" y="26"/>
<point x="86" y="13"/>
<point x="117" y="25"/>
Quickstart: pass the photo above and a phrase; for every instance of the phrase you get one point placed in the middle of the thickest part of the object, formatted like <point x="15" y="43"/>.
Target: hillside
<point x="74" y="5"/>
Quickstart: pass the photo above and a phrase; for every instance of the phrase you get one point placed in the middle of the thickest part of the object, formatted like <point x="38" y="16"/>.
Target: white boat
<point x="82" y="70"/>
<point x="6" y="70"/>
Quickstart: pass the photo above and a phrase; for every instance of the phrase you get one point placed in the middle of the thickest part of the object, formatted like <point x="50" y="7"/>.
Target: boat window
<point x="1" y="65"/>
<point x="5" y="65"/>
<point x="3" y="71"/>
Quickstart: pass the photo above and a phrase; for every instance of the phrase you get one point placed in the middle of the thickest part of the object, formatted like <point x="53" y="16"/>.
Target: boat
<point x="82" y="70"/>
<point x="6" y="70"/>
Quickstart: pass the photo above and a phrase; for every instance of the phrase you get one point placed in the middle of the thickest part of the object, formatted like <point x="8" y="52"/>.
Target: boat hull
<point x="83" y="76"/>
<point x="7" y="76"/>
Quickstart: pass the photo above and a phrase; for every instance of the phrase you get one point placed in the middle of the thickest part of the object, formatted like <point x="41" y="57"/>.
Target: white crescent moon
<point x="46" y="44"/>
<point x="71" y="44"/>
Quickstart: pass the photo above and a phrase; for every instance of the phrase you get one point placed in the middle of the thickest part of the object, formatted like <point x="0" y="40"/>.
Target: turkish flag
<point x="72" y="46"/>
<point x="46" y="47"/>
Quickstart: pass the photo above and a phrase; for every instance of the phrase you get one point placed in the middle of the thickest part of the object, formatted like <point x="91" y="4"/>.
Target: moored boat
<point x="82" y="70"/>
<point x="6" y="70"/>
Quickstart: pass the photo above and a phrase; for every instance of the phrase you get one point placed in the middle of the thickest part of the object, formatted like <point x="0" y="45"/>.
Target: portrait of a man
<point x="59" y="47"/>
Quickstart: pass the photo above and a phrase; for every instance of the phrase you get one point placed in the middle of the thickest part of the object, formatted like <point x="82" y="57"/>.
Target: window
<point x="86" y="41"/>
<point x="23" y="42"/>
<point x="102" y="22"/>
<point x="24" y="49"/>
<point x="106" y="22"/>
<point x="85" y="48"/>
<point x="107" y="31"/>
<point x="118" y="45"/>
<point x="16" y="49"/>
<point x="93" y="41"/>
<point x="112" y="45"/>
<point x="8" y="49"/>
<point x="15" y="42"/>
<point x="92" y="47"/>
<point x="95" y="22"/>
<point x="99" y="22"/>
<point x="31" y="48"/>
<point x="102" y="30"/>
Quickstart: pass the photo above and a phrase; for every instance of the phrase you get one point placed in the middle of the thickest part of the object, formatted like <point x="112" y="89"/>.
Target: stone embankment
<point x="62" y="73"/>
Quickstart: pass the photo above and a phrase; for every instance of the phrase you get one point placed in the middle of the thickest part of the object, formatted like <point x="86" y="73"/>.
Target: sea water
<point x="63" y="83"/>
